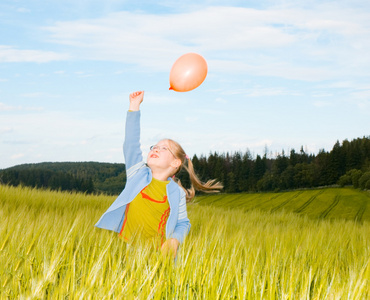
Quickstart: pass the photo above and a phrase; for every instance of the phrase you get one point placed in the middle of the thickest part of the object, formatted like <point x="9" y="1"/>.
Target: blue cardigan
<point x="139" y="176"/>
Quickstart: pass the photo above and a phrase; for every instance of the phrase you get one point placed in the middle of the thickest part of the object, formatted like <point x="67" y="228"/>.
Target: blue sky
<point x="281" y="75"/>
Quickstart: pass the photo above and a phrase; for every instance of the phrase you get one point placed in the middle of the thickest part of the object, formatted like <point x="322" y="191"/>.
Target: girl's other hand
<point x="135" y="100"/>
<point x="170" y="247"/>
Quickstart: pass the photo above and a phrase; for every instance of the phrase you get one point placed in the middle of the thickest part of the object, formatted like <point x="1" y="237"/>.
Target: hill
<point x="327" y="203"/>
<point x="105" y="178"/>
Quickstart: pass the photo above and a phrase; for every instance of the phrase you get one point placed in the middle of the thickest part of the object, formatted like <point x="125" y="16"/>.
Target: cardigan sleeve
<point x="182" y="227"/>
<point x="131" y="146"/>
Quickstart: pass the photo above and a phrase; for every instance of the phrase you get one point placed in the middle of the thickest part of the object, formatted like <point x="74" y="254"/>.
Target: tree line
<point x="53" y="180"/>
<point x="348" y="163"/>
<point x="87" y="177"/>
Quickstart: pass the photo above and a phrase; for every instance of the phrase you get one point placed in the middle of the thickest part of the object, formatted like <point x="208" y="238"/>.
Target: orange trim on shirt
<point x="124" y="222"/>
<point x="145" y="196"/>
<point x="162" y="223"/>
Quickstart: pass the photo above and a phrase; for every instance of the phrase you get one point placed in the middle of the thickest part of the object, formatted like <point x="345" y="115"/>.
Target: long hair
<point x="211" y="186"/>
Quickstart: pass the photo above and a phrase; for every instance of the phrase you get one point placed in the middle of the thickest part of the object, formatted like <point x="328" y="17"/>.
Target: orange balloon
<point x="188" y="72"/>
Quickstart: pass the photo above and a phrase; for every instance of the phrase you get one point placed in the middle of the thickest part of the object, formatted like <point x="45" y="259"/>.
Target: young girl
<point x="153" y="200"/>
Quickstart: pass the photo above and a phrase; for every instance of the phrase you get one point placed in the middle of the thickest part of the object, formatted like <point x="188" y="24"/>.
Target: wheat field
<point x="49" y="249"/>
<point x="324" y="203"/>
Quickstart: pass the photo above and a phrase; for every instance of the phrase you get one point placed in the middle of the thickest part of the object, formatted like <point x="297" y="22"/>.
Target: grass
<point x="49" y="249"/>
<point x="329" y="203"/>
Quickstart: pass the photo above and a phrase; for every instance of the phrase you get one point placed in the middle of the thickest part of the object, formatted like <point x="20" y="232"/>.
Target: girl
<point x="153" y="200"/>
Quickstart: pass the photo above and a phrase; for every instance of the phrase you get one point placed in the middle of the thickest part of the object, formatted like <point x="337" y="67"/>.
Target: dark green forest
<point x="89" y="177"/>
<point x="347" y="163"/>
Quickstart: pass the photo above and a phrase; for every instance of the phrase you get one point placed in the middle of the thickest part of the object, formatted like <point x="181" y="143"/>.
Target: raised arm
<point x="131" y="145"/>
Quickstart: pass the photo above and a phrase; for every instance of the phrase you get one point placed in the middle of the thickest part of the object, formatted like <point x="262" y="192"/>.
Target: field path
<point x="262" y="203"/>
<point x="234" y="200"/>
<point x="335" y="202"/>
<point x="308" y="202"/>
<point x="286" y="201"/>
<point x="245" y="201"/>
<point x="361" y="211"/>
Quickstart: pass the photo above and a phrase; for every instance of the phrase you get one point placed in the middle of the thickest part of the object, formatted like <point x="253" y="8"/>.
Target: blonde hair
<point x="211" y="186"/>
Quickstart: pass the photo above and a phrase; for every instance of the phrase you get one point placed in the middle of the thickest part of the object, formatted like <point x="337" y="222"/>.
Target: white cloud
<point x="262" y="92"/>
<point x="39" y="95"/>
<point x="153" y="98"/>
<point x="191" y="119"/>
<point x="23" y="10"/>
<point x="322" y="103"/>
<point x="5" y="107"/>
<point x="57" y="136"/>
<point x="307" y="44"/>
<point x="258" y="91"/>
<point x="123" y="36"/>
<point x="6" y="129"/>
<point x="361" y="99"/>
<point x="83" y="74"/>
<point x="17" y="155"/>
<point x="362" y="94"/>
<point x="10" y="54"/>
<point x="322" y="94"/>
<point x="221" y="100"/>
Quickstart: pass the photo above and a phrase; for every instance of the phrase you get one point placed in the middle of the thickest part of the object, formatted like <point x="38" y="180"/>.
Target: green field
<point x="295" y="245"/>
<point x="329" y="203"/>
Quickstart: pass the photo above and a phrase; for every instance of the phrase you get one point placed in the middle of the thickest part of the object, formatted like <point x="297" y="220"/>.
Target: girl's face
<point x="161" y="158"/>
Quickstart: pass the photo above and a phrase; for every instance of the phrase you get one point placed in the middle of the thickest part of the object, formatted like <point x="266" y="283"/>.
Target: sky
<point x="281" y="75"/>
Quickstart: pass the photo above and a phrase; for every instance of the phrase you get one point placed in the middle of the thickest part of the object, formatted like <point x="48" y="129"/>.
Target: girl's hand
<point x="135" y="100"/>
<point x="170" y="246"/>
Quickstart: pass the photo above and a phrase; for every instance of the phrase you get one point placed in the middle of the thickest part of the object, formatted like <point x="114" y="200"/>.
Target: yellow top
<point x="147" y="214"/>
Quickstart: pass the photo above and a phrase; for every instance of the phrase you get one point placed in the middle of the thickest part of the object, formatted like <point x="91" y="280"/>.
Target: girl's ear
<point x="176" y="163"/>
